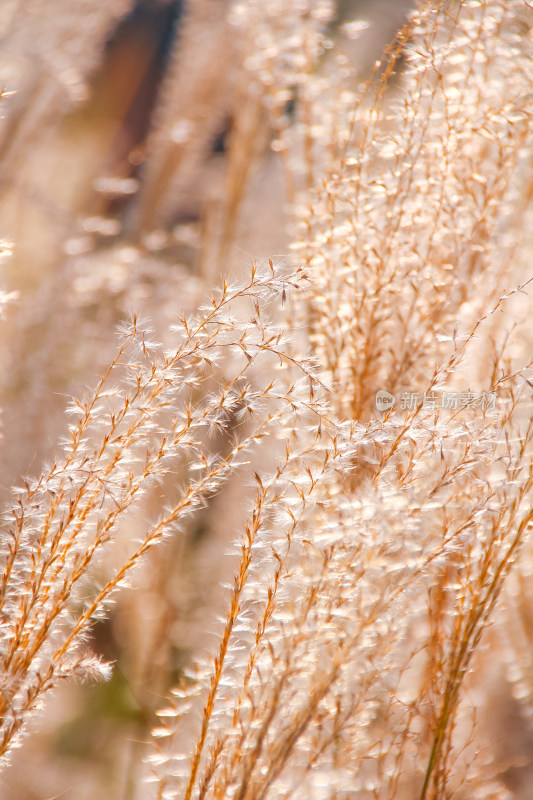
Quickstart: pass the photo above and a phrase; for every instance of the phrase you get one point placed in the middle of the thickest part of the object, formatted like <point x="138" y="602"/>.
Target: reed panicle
<point x="368" y="400"/>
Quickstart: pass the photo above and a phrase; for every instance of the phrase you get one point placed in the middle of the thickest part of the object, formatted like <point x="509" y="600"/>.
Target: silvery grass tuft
<point x="381" y="565"/>
<point x="146" y="415"/>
